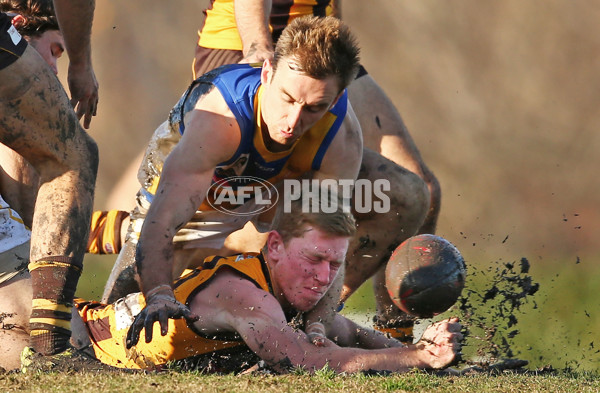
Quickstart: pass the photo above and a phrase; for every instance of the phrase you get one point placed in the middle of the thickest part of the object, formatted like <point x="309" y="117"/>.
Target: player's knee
<point x="435" y="189"/>
<point x="410" y="199"/>
<point x="85" y="157"/>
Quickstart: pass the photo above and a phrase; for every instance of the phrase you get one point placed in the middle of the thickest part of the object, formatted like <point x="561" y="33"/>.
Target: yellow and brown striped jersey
<point x="107" y="325"/>
<point x="220" y="31"/>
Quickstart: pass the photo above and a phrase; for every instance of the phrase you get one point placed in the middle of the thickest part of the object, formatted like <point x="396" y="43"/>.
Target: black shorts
<point x="12" y="45"/>
<point x="207" y="59"/>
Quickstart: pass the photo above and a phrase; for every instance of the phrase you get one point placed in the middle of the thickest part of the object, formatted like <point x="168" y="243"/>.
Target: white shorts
<point x="14" y="243"/>
<point x="207" y="229"/>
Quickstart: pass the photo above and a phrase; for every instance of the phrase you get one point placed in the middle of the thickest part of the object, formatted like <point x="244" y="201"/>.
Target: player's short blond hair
<point x="319" y="48"/>
<point x="293" y="222"/>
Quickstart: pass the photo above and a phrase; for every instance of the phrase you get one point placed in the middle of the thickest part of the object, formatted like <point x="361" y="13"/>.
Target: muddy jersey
<point x="252" y="163"/>
<point x="220" y="30"/>
<point x="107" y="325"/>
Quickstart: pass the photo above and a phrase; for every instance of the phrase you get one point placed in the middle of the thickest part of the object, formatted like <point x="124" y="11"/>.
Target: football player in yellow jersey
<point x="282" y="103"/>
<point x="246" y="30"/>
<point x="252" y="307"/>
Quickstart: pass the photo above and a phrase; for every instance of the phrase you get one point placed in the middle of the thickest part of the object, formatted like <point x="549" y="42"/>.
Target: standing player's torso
<point x="220" y="31"/>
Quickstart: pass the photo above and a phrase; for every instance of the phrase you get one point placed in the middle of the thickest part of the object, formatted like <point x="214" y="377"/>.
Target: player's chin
<point x="307" y="303"/>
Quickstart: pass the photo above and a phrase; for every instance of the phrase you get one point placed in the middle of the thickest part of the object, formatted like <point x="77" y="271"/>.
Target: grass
<point x="323" y="381"/>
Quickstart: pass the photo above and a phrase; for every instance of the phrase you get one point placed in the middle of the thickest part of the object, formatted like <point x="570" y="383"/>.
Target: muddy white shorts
<point x="14" y="243"/>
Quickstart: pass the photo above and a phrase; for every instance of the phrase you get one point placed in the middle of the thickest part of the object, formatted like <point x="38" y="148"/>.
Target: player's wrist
<point x="160" y="291"/>
<point x="316" y="327"/>
<point x="424" y="358"/>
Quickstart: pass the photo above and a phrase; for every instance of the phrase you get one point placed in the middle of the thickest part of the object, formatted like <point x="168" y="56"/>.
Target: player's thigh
<point x="15" y="309"/>
<point x="18" y="183"/>
<point x="383" y="129"/>
<point x="15" y="300"/>
<point x="36" y="116"/>
<point x="390" y="188"/>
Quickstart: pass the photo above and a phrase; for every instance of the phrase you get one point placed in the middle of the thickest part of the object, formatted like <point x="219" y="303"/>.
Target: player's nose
<point x="322" y="273"/>
<point x="294" y="117"/>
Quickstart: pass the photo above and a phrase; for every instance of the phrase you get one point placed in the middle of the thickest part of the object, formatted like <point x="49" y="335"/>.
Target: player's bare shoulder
<point x="212" y="126"/>
<point x="228" y="297"/>
<point x="352" y="130"/>
<point x="343" y="156"/>
<point x="213" y="102"/>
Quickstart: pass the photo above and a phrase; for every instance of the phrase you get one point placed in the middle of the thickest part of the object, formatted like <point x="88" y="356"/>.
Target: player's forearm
<point x="282" y="348"/>
<point x="75" y="21"/>
<point x="155" y="250"/>
<point x="400" y="359"/>
<point x="348" y="333"/>
<point x="337" y="8"/>
<point x="154" y="255"/>
<point x="352" y="360"/>
<point x="252" y="19"/>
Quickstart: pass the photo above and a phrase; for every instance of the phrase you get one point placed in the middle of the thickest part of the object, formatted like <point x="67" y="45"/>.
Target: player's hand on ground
<point x="441" y="343"/>
<point x="84" y="92"/>
<point x="160" y="307"/>
<point x="316" y="333"/>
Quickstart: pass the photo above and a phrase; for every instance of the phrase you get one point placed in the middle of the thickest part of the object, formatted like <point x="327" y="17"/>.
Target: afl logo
<point x="230" y="194"/>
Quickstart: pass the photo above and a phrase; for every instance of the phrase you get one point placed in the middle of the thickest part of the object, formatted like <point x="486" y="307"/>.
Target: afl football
<point x="425" y="275"/>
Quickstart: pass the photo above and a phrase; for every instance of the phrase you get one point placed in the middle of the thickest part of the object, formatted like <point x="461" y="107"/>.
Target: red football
<point x="425" y="275"/>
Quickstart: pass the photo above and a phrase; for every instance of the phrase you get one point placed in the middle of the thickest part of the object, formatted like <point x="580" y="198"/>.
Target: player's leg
<point x="18" y="183"/>
<point x="384" y="131"/>
<point x="39" y="123"/>
<point x="15" y="305"/>
<point x="122" y="279"/>
<point x="380" y="233"/>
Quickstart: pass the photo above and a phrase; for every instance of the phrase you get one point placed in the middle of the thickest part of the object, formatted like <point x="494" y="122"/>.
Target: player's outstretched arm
<point x="258" y="317"/>
<point x="186" y="176"/>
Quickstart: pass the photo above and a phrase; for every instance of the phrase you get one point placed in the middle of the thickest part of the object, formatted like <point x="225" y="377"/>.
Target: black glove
<point x="159" y="307"/>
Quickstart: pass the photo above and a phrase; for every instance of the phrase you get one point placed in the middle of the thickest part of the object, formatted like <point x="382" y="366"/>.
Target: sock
<point x="105" y="232"/>
<point x="54" y="280"/>
<point x="400" y="330"/>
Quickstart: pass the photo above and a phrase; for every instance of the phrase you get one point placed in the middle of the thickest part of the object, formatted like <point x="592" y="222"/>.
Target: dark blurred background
<point x="502" y="99"/>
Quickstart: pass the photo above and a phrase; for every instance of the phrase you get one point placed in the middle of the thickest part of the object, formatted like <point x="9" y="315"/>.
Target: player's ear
<point x="275" y="245"/>
<point x="267" y="72"/>
<point x="18" y="21"/>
